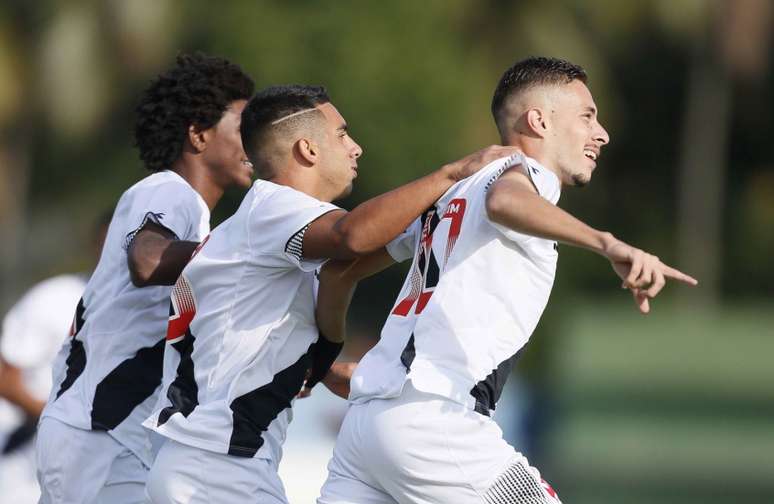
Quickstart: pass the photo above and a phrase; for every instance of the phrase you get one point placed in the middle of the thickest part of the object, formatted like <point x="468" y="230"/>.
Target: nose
<point x="357" y="151"/>
<point x="601" y="135"/>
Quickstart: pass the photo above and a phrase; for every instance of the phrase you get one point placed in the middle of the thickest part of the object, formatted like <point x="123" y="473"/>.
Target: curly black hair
<point x="196" y="91"/>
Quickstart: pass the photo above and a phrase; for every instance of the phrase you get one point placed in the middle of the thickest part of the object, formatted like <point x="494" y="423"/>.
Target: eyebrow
<point x="591" y="109"/>
<point x="343" y="127"/>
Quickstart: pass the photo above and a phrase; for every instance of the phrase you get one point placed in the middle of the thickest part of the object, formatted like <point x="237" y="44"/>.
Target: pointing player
<point x="242" y="334"/>
<point x="419" y="427"/>
<point x="91" y="445"/>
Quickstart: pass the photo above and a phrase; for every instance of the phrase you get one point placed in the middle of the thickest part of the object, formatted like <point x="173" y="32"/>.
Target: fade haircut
<point x="528" y="73"/>
<point x="196" y="91"/>
<point x="275" y="113"/>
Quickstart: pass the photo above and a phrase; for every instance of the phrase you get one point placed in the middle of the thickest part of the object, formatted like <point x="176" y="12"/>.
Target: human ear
<point x="198" y="138"/>
<point x="308" y="150"/>
<point x="536" y="121"/>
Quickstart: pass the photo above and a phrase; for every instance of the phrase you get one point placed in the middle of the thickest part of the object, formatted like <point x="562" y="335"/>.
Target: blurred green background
<point x="674" y="407"/>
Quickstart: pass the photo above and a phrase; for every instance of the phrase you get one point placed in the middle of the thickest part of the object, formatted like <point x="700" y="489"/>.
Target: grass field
<point x="674" y="407"/>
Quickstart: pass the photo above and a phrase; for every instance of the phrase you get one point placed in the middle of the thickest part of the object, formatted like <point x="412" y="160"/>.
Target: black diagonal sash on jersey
<point x="487" y="392"/>
<point x="183" y="392"/>
<point x="408" y="353"/>
<point x="254" y="411"/>
<point x="76" y="360"/>
<point x="127" y="386"/>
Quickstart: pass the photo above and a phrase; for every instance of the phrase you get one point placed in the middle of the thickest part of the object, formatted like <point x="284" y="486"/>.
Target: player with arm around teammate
<point x="91" y="446"/>
<point x="242" y="334"/>
<point x="419" y="427"/>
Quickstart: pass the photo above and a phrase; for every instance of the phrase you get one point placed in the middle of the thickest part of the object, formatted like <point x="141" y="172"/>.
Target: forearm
<point x="526" y="212"/>
<point x="13" y="390"/>
<point x="374" y="223"/>
<point x="334" y="297"/>
<point x="31" y="406"/>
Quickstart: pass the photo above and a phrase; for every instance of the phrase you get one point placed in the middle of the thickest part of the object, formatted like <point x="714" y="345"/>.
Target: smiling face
<point x="224" y="153"/>
<point x="338" y="154"/>
<point x="575" y="137"/>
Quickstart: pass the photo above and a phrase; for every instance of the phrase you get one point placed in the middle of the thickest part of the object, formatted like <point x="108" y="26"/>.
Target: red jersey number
<point x="426" y="272"/>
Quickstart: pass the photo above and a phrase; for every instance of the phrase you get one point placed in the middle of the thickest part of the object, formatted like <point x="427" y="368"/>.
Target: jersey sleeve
<point x="402" y="247"/>
<point x="171" y="205"/>
<point x="547" y="186"/>
<point x="278" y="224"/>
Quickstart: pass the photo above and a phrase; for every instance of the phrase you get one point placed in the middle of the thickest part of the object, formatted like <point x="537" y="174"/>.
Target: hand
<point x="642" y="273"/>
<point x="472" y="163"/>
<point x="337" y="380"/>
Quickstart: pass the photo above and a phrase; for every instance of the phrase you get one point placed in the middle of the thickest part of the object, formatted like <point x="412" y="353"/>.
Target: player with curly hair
<point x="91" y="445"/>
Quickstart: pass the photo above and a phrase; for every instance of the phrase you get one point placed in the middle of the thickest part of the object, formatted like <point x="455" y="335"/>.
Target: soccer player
<point x="91" y="445"/>
<point x="484" y="256"/>
<point x="242" y="334"/>
<point x="32" y="333"/>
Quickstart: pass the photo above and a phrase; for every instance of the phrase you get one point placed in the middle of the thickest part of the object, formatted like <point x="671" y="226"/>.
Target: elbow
<point x="352" y="242"/>
<point x="357" y="245"/>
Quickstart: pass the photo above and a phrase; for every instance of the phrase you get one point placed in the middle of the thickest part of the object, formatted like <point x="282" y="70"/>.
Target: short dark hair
<point x="273" y="103"/>
<point x="196" y="91"/>
<point x="533" y="71"/>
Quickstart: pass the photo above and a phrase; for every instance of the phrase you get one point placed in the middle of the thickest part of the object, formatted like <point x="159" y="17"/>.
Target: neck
<point x="301" y="178"/>
<point x="533" y="147"/>
<point x="197" y="174"/>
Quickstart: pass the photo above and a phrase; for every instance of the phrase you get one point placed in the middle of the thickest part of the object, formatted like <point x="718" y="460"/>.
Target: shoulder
<point x="164" y="180"/>
<point x="494" y="170"/>
<point x="546" y="181"/>
<point x="285" y="198"/>
<point x="166" y="187"/>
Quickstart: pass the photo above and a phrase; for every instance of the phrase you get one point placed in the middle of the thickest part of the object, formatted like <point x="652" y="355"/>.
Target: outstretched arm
<point x="156" y="257"/>
<point x="371" y="225"/>
<point x="513" y="202"/>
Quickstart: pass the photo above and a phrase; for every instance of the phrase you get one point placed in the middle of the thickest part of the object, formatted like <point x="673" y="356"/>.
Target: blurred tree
<point x="732" y="46"/>
<point x="63" y="63"/>
<point x="17" y="112"/>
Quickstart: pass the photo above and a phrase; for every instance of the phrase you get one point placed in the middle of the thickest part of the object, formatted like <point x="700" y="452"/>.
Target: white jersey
<point x="105" y="376"/>
<point x="472" y="298"/>
<point x="241" y="328"/>
<point x="35" y="327"/>
<point x="32" y="333"/>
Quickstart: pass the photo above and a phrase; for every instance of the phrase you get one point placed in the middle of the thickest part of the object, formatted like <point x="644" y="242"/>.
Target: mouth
<point x="591" y="154"/>
<point x="247" y="164"/>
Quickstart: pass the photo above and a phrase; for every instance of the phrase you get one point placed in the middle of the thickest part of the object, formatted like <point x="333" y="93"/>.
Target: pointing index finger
<point x="679" y="275"/>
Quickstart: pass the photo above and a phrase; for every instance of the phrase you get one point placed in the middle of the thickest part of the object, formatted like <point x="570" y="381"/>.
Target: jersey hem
<point x="195" y="442"/>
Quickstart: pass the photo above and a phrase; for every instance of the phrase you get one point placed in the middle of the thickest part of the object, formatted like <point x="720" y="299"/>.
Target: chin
<point x="245" y="183"/>
<point x="580" y="179"/>
<point x="240" y="183"/>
